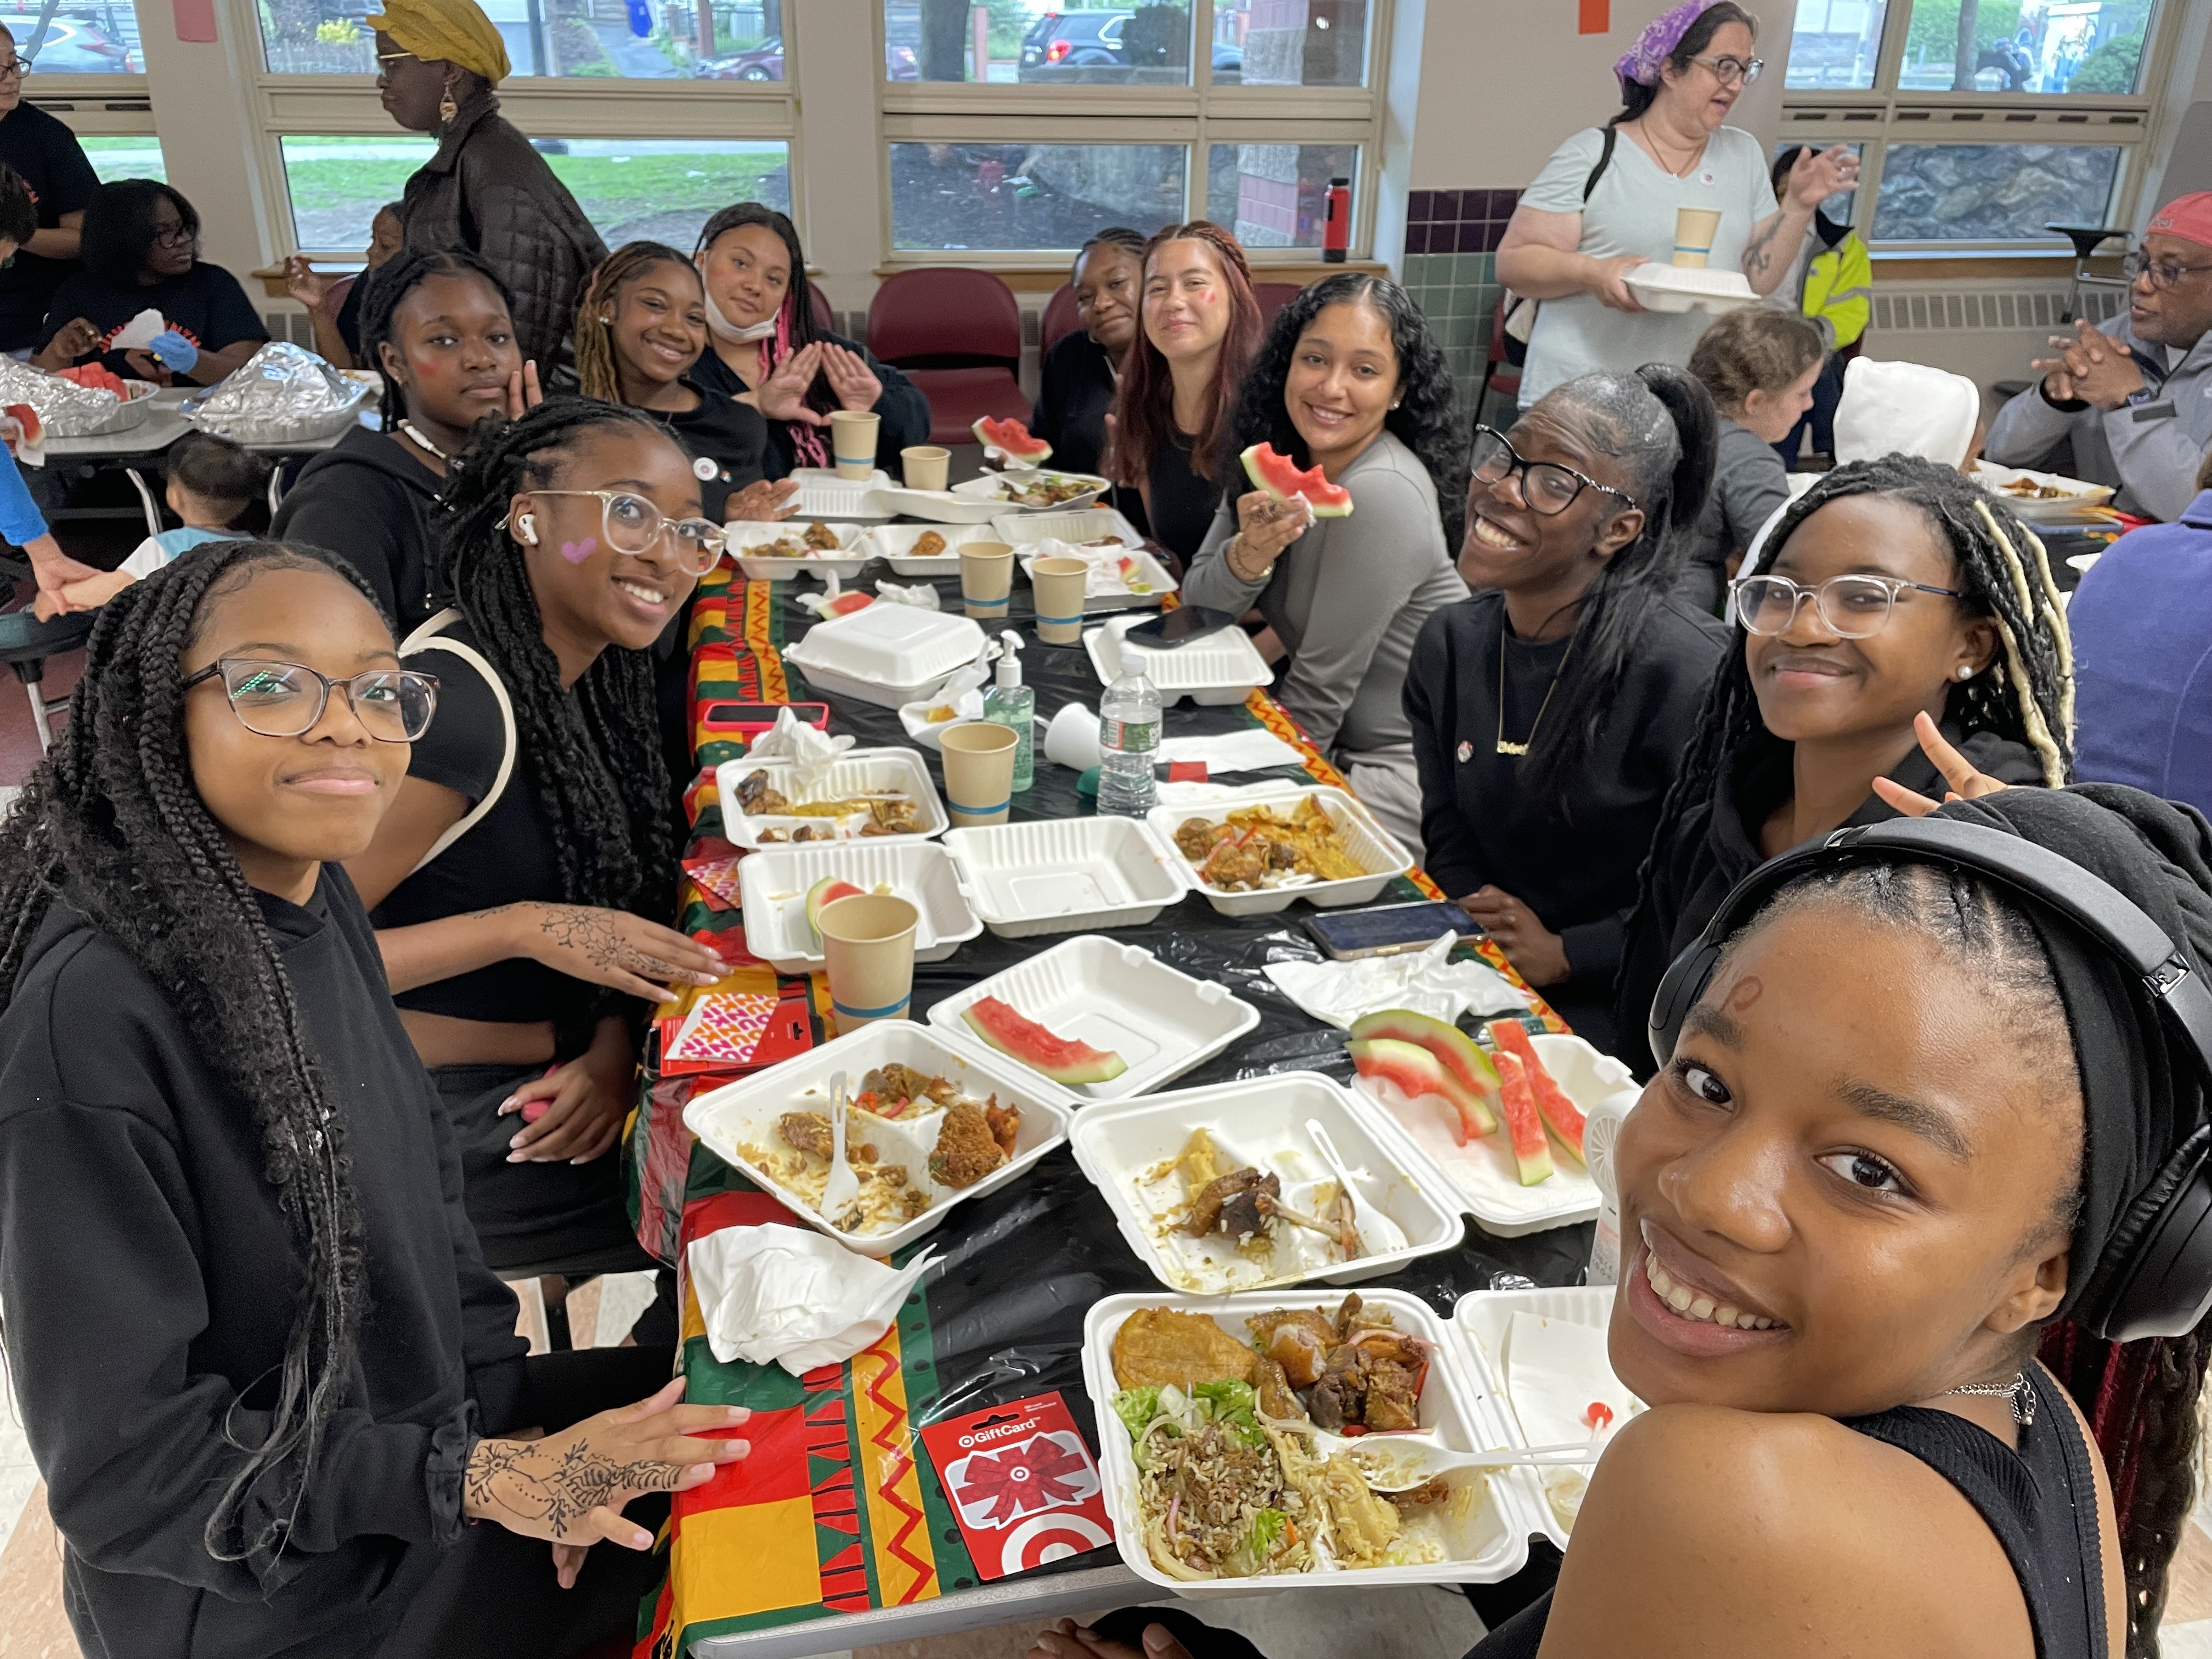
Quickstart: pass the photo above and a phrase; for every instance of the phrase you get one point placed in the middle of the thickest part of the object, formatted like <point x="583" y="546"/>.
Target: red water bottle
<point x="1336" y="234"/>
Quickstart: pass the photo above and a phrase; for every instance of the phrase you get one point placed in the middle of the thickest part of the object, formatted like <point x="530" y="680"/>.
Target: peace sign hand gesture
<point x="1965" y="783"/>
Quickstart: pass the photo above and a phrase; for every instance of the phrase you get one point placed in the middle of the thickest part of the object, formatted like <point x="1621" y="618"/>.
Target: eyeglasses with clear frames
<point x="286" y="699"/>
<point x="632" y="524"/>
<point x="1730" y="71"/>
<point x="1548" y="487"/>
<point x="1851" y="607"/>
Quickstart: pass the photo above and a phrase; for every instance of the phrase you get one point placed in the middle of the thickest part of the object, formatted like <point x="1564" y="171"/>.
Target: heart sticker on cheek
<point x="577" y="552"/>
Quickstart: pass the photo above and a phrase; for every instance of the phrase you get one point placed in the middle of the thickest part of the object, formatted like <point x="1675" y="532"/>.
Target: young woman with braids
<point x="436" y="327"/>
<point x="258" y="1355"/>
<point x="521" y="881"/>
<point x="1899" y="588"/>
<point x="1349" y="380"/>
<point x="1549" y="712"/>
<point x="1077" y="380"/>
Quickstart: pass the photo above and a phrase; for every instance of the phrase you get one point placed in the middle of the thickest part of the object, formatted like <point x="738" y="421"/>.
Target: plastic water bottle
<point x="1128" y="738"/>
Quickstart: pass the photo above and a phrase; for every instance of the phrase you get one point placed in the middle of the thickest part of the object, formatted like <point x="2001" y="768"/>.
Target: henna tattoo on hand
<point x="595" y="934"/>
<point x="553" y="1487"/>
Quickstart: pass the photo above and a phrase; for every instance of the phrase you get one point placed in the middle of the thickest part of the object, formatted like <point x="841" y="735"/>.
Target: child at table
<point x="212" y="484"/>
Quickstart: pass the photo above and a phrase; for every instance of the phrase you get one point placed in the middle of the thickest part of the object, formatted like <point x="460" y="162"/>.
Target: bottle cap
<point x="1010" y="660"/>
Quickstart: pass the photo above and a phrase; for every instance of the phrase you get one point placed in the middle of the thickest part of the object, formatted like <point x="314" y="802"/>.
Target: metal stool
<point x="26" y="643"/>
<point x="2087" y="240"/>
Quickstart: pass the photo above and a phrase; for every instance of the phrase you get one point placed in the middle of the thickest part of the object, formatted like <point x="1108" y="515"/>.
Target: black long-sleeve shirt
<point x="1571" y="854"/>
<point x="904" y="410"/>
<point x="148" y="1282"/>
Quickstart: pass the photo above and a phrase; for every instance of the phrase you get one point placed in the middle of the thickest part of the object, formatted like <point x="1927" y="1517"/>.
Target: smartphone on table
<point x="747" y="721"/>
<point x="1389" y="930"/>
<point x="1180" y="626"/>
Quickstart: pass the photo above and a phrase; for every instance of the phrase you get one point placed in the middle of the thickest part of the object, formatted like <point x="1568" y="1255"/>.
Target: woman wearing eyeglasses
<point x="1601" y="207"/>
<point x="522" y="879"/>
<point x="1899" y="589"/>
<point x="1549" y="712"/>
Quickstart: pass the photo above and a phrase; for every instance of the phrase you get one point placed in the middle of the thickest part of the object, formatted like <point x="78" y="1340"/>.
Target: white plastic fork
<point x="1377" y="1231"/>
<point x="1421" y="1459"/>
<point x="842" y="1189"/>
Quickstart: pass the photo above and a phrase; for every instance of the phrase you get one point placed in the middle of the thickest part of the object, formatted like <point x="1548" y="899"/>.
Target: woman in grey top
<point x="1350" y="381"/>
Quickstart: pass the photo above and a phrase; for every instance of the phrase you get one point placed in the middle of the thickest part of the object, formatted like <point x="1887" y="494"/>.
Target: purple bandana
<point x="1640" y="63"/>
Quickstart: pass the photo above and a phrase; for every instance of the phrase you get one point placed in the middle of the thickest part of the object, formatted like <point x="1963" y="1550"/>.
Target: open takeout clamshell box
<point x="823" y="495"/>
<point x="1065" y="875"/>
<point x="745" y="1113"/>
<point x="896" y="542"/>
<point x="745" y="535"/>
<point x="1687" y="288"/>
<point x="992" y="487"/>
<point x="938" y="506"/>
<point x="1480" y="1176"/>
<point x="1129" y="1147"/>
<point x="1372" y="847"/>
<point x="1222" y="667"/>
<point x="1463" y="1412"/>
<point x="2077" y="499"/>
<point x="1076" y="525"/>
<point x="1107" y="587"/>
<point x="885" y="654"/>
<point x="774" y="883"/>
<point x="856" y="772"/>
<point x="1114" y="996"/>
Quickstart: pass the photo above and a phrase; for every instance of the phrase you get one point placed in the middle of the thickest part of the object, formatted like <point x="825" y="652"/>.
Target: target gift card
<point x="1022" y="1483"/>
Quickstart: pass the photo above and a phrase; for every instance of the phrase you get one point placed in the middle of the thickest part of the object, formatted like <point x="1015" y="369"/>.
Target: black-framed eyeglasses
<point x="15" y="69"/>
<point x="632" y="524"/>
<point x="1730" y="71"/>
<point x="173" y="235"/>
<point x="1548" y="487"/>
<point x="285" y="699"/>
<point x="2163" y="273"/>
<point x="1853" y="607"/>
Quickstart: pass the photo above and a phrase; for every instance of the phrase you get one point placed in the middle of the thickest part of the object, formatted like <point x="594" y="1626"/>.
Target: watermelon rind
<point x="1328" y="501"/>
<point x="1013" y="440"/>
<point x="1060" y="1059"/>
<point x="1524" y="1127"/>
<point x="1416" y="1072"/>
<point x="824" y="893"/>
<point x="1554" y="1104"/>
<point x="1454" y="1050"/>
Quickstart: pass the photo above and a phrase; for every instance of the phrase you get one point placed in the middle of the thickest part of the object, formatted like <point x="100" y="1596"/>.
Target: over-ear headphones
<point x="2160" y="1282"/>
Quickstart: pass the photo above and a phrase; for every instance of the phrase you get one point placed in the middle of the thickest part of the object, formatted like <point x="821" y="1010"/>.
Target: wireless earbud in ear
<point x="526" y="529"/>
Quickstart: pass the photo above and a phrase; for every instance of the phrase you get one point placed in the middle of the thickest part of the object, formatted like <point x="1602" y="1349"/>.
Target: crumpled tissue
<point x="1339" y="992"/>
<point x="790" y="1297"/>
<point x="812" y="750"/>
<point x="922" y="596"/>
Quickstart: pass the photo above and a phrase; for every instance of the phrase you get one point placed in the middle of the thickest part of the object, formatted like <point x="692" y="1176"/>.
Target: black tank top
<point x="2040" y="1500"/>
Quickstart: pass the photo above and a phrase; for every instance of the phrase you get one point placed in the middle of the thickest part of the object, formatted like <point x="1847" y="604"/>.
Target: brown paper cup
<point x="1694" y="229"/>
<point x="1057" y="586"/>
<point x="979" y="772"/>
<point x="925" y="467"/>
<point x="853" y="443"/>
<point x="987" y="578"/>
<point x="868" y="939"/>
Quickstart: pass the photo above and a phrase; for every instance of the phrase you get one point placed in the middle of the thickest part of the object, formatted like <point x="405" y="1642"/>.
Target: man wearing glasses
<point x="46" y="153"/>
<point x="2136" y="400"/>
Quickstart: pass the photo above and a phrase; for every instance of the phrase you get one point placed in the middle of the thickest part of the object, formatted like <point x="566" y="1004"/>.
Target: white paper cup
<point x="1072" y="738"/>
<point x="987" y="578"/>
<point x="1694" y="230"/>
<point x="868" y="940"/>
<point x="853" y="443"/>
<point x="925" y="467"/>
<point x="979" y="771"/>
<point x="1057" y="584"/>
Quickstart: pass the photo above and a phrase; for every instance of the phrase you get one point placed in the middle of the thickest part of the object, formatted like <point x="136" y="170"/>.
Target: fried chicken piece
<point x="1194" y="838"/>
<point x="1347" y="1316"/>
<point x="1235" y="865"/>
<point x="759" y="797"/>
<point x="1156" y="1346"/>
<point x="1006" y="1124"/>
<point x="1276" y="1399"/>
<point x="926" y="545"/>
<point x="805" y="1132"/>
<point x="1296" y="1339"/>
<point x="768" y="835"/>
<point x="1227" y="1204"/>
<point x="897" y="1086"/>
<point x="1394" y="1398"/>
<point x="966" y="1149"/>
<point x="821" y="537"/>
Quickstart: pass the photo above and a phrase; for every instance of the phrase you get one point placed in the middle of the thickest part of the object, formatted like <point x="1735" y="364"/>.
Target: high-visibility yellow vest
<point x="1839" y="289"/>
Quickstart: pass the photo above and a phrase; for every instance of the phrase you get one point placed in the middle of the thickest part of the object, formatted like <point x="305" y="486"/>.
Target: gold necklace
<point x="1517" y="749"/>
<point x="1658" y="152"/>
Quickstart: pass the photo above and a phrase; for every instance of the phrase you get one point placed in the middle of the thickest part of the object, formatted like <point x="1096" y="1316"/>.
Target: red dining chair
<point x="1495" y="359"/>
<point x="825" y="321"/>
<point x="957" y="334"/>
<point x="1060" y="319"/>
<point x="1273" y="297"/>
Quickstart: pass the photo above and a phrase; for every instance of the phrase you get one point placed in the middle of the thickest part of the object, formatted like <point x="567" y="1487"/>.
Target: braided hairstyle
<point x="1129" y="241"/>
<point x="111" y="823"/>
<point x="591" y="753"/>
<point x="393" y="282"/>
<point x="596" y="376"/>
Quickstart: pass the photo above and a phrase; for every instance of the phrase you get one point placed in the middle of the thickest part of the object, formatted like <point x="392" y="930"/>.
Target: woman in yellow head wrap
<point x="486" y="190"/>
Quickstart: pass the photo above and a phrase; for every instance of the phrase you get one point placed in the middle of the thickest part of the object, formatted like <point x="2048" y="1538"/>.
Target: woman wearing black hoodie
<point x="262" y="1366"/>
<point x="437" y="328"/>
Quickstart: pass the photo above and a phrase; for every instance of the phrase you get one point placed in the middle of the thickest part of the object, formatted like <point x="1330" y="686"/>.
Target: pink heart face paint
<point x="577" y="552"/>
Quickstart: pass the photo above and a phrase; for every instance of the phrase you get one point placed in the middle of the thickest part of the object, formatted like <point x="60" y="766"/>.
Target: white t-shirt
<point x="1632" y="211"/>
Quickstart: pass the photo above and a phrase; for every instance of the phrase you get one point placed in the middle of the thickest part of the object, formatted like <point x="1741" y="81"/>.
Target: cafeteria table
<point x="835" y="1532"/>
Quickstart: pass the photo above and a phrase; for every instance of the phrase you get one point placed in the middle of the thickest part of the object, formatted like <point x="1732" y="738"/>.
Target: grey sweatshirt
<point x="1346" y="598"/>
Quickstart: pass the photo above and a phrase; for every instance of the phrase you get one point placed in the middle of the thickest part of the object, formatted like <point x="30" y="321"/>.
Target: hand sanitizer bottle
<point x="1010" y="703"/>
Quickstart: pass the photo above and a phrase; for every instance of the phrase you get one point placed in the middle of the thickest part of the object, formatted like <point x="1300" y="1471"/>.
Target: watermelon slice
<point x="824" y="893"/>
<point x="846" y="604"/>
<point x="1560" y="1115"/>
<point x="1532" y="1153"/>
<point x="1012" y="439"/>
<point x="1061" y="1059"/>
<point x="1282" y="477"/>
<point x="1416" y="1072"/>
<point x="1454" y="1050"/>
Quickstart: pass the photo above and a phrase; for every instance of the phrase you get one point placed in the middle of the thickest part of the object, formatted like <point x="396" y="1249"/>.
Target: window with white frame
<point x="1020" y="128"/>
<point x="1983" y="123"/>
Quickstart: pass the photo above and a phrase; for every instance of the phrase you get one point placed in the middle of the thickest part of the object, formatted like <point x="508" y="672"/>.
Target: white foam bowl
<point x="1117" y="997"/>
<point x="1065" y="875"/>
<point x="1123" y="1147"/>
<point x="823" y="495"/>
<point x="990" y="488"/>
<point x="1490" y="1544"/>
<point x="746" y="1111"/>
<point x="774" y="882"/>
<point x="896" y="542"/>
<point x="886" y="655"/>
<point x="1688" y="288"/>
<point x="853" y="551"/>
<point x="1224" y="667"/>
<point x="1372" y="847"/>
<point x="856" y="772"/>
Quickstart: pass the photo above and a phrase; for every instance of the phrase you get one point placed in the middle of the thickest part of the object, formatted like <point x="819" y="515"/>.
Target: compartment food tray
<point x="774" y="883"/>
<point x="1371" y="845"/>
<point x="894" y="541"/>
<point x="1114" y="996"/>
<point x="1224" y="667"/>
<point x="2079" y="499"/>
<point x="1077" y="525"/>
<point x="986" y="488"/>
<point x="854" y="550"/>
<point x="823" y="495"/>
<point x="1103" y="592"/>
<point x="1065" y="875"/>
<point x="856" y="772"/>
<point x="938" y="506"/>
<point x="1462" y="1410"/>
<point x="726" y="1119"/>
<point x="885" y="654"/>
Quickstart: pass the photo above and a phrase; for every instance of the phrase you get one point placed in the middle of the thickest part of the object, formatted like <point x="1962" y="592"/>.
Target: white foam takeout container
<point x="885" y="654"/>
<point x="1222" y="667"/>
<point x="1077" y="525"/>
<point x="988" y="488"/>
<point x="1371" y="845"/>
<point x="1479" y="1324"/>
<point x="1462" y="1411"/>
<point x="746" y="1111"/>
<point x="938" y="506"/>
<point x="1065" y="875"/>
<point x="1117" y="997"/>
<point x="1129" y="1149"/>
<point x="1684" y="287"/>
<point x="774" y="883"/>
<point x="856" y="772"/>
<point x="854" y="550"/>
<point x="1481" y="1174"/>
<point x="823" y="495"/>
<point x="895" y="541"/>
<point x="1106" y="588"/>
<point x="2080" y="497"/>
